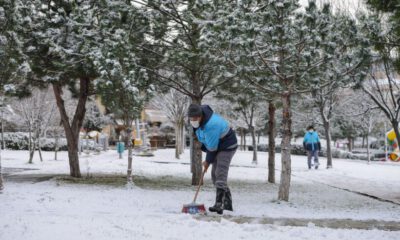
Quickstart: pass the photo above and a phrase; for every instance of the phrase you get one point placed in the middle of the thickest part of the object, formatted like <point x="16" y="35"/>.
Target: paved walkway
<point x="376" y="180"/>
<point x="298" y="222"/>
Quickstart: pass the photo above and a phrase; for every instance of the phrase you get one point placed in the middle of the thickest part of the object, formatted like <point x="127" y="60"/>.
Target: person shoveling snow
<point x="220" y="143"/>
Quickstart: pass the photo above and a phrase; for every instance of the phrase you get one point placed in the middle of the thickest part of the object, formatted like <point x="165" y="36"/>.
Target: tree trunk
<point x="129" y="145"/>
<point x="197" y="162"/>
<point x="179" y="137"/>
<point x="197" y="166"/>
<point x="363" y="141"/>
<point x="73" y="157"/>
<point x="30" y="141"/>
<point x="37" y="141"/>
<point x="183" y="138"/>
<point x="40" y="150"/>
<point x="271" y="142"/>
<point x="287" y="136"/>
<point x="368" y="153"/>
<point x="72" y="129"/>
<point x="180" y="132"/>
<point x="258" y="137"/>
<point x="56" y="145"/>
<point x="244" y="141"/>
<point x="327" y="128"/>
<point x="177" y="140"/>
<point x="1" y="176"/>
<point x="3" y="143"/>
<point x="254" y="143"/>
<point x="32" y="151"/>
<point x="350" y="140"/>
<point x="241" y="140"/>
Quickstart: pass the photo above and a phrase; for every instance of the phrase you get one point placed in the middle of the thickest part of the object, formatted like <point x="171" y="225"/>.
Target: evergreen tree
<point x="123" y="85"/>
<point x="347" y="64"/>
<point x="281" y="51"/>
<point x="13" y="65"/>
<point x="64" y="45"/>
<point x="186" y="64"/>
<point x="59" y="41"/>
<point x="392" y="9"/>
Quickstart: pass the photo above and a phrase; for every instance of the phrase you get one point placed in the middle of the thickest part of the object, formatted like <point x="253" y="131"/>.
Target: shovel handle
<point x="198" y="188"/>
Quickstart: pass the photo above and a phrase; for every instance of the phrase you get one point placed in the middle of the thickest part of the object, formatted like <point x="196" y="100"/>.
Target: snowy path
<point x="54" y="209"/>
<point x="48" y="211"/>
<point x="377" y="179"/>
<point x="326" y="223"/>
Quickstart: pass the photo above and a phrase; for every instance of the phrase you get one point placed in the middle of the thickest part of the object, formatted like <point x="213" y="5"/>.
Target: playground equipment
<point x="392" y="140"/>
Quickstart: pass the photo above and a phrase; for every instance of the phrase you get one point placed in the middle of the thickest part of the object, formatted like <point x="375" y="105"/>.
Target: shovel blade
<point x="194" y="208"/>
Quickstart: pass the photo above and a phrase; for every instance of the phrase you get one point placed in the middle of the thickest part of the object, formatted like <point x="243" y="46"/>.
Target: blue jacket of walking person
<point x="311" y="141"/>
<point x="215" y="134"/>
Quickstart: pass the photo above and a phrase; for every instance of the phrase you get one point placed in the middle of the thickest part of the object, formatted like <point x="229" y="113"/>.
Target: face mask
<point x="311" y="131"/>
<point x="195" y="124"/>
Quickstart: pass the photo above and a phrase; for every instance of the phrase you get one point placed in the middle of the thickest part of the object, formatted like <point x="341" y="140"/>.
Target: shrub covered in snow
<point x="20" y="141"/>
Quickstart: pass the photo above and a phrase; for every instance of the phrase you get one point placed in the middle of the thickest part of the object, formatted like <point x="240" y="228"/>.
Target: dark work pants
<point x="220" y="169"/>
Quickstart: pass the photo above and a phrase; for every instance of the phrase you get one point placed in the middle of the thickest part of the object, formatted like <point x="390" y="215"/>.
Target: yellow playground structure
<point x="392" y="140"/>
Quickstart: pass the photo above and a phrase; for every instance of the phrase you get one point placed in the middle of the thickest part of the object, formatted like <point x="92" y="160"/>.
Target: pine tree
<point x="279" y="49"/>
<point x="64" y="44"/>
<point x="124" y="84"/>
<point x="186" y="64"/>
<point x="346" y="64"/>
<point x="59" y="40"/>
<point x="13" y="65"/>
<point x="391" y="8"/>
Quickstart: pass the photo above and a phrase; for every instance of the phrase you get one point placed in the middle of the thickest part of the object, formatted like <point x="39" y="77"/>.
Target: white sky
<point x="344" y="5"/>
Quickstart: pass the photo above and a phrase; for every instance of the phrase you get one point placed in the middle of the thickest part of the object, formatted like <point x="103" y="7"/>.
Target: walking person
<point x="220" y="143"/>
<point x="312" y="145"/>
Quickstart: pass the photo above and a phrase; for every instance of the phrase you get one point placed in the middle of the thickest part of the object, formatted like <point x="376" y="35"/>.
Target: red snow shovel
<point x="195" y="208"/>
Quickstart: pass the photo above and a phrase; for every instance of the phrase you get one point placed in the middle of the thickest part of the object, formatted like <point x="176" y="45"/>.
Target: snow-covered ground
<point x="151" y="209"/>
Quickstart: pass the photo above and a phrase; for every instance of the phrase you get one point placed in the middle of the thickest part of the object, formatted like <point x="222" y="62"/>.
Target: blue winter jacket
<point x="311" y="141"/>
<point x="215" y="134"/>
